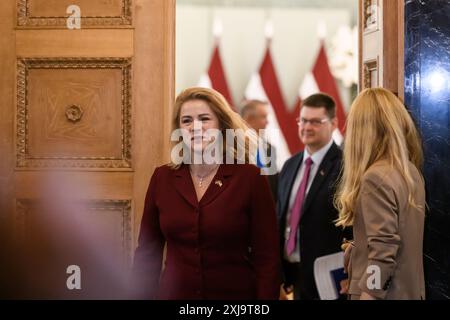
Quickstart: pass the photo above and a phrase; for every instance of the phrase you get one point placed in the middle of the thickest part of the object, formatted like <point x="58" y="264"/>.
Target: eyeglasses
<point x="313" y="122"/>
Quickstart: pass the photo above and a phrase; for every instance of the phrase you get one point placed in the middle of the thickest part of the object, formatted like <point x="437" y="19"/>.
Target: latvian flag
<point x="215" y="77"/>
<point x="282" y="127"/>
<point x="320" y="79"/>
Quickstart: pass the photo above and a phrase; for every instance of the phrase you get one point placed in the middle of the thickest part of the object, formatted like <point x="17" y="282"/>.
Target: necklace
<point x="201" y="178"/>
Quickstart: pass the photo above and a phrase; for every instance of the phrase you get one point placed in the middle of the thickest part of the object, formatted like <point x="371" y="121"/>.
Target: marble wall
<point x="427" y="95"/>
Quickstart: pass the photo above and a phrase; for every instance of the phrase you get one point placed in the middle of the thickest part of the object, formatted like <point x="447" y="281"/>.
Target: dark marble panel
<point x="427" y="95"/>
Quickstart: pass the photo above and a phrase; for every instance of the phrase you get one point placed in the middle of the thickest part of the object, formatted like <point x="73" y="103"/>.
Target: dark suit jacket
<point x="223" y="247"/>
<point x="318" y="235"/>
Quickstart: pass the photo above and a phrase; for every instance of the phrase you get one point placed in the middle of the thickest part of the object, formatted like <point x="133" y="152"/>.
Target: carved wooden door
<point x="86" y="91"/>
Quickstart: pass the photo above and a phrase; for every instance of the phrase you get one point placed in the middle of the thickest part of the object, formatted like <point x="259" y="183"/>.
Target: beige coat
<point x="386" y="260"/>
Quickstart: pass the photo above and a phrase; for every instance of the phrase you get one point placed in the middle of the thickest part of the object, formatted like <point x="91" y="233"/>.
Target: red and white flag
<point x="281" y="130"/>
<point x="215" y="77"/>
<point x="320" y="79"/>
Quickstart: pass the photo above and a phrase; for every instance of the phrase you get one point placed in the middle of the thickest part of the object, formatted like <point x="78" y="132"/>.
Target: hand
<point x="284" y="292"/>
<point x="347" y="247"/>
<point x="344" y="286"/>
<point x="366" y="296"/>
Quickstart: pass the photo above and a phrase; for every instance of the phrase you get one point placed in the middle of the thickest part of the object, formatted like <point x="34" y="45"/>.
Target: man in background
<point x="305" y="198"/>
<point x="254" y="112"/>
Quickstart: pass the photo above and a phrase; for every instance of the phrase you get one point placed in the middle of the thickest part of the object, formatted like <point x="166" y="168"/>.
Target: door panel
<point x="85" y="122"/>
<point x="94" y="13"/>
<point x="74" y="113"/>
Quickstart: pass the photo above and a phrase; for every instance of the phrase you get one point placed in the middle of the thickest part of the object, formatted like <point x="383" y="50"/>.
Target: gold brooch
<point x="219" y="183"/>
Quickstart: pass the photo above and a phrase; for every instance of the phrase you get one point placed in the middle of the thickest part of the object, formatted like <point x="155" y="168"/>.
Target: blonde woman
<point x="217" y="219"/>
<point x="382" y="196"/>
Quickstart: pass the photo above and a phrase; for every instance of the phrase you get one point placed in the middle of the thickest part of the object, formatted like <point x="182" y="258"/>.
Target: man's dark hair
<point x="321" y="100"/>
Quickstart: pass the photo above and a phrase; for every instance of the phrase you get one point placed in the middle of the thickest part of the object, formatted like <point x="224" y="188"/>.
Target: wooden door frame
<point x="391" y="45"/>
<point x="155" y="135"/>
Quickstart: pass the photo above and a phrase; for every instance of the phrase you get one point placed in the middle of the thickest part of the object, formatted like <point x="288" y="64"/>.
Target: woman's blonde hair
<point x="378" y="128"/>
<point x="228" y="119"/>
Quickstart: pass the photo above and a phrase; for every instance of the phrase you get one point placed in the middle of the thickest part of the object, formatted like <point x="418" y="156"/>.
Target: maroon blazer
<point x="223" y="247"/>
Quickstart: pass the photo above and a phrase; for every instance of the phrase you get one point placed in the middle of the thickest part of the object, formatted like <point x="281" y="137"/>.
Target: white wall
<point x="294" y="46"/>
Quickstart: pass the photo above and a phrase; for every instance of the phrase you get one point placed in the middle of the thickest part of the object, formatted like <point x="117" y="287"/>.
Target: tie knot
<point x="309" y="162"/>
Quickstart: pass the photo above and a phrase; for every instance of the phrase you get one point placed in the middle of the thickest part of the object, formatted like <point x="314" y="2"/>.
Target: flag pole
<point x="217" y="30"/>
<point x="268" y="31"/>
<point x="322" y="31"/>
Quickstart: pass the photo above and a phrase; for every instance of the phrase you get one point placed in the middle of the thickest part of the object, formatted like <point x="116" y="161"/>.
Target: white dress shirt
<point x="317" y="158"/>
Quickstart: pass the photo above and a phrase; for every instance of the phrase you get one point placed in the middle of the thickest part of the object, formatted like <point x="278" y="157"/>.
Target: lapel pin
<point x="219" y="183"/>
<point x="322" y="173"/>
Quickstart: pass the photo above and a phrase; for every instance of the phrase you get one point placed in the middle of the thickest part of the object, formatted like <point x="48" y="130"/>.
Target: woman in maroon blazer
<point x="217" y="220"/>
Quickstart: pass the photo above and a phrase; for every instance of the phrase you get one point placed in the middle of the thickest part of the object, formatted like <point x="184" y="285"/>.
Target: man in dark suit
<point x="305" y="198"/>
<point x="254" y="112"/>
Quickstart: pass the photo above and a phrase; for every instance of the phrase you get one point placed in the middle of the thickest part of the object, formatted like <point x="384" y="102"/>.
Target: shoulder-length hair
<point x="378" y="128"/>
<point x="246" y="140"/>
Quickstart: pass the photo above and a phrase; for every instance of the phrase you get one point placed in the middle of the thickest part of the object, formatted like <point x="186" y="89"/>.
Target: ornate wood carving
<point x="74" y="113"/>
<point x="371" y="69"/>
<point x="371" y="15"/>
<point x="25" y="159"/>
<point x="25" y="207"/>
<point x="26" y="20"/>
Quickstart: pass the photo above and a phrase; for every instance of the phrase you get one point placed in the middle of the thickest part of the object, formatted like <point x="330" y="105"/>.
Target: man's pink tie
<point x="297" y="208"/>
